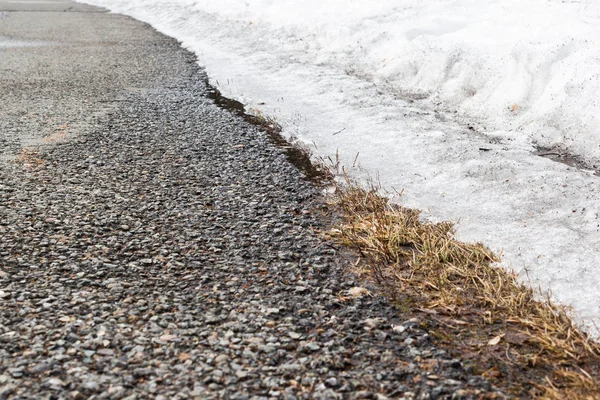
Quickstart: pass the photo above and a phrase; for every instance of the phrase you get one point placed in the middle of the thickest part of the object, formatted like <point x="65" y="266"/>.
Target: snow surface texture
<point x="399" y="82"/>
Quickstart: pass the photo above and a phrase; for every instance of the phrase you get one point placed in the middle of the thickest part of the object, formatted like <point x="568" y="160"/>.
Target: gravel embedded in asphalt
<point x="165" y="248"/>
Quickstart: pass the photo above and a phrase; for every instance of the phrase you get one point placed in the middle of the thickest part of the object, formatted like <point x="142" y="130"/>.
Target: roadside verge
<point x="475" y="309"/>
<point x="479" y="311"/>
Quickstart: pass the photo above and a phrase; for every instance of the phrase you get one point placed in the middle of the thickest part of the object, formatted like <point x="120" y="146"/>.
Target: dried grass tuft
<point x="530" y="347"/>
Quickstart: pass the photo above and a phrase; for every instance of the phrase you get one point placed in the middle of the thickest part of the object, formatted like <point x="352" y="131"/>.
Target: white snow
<point x="400" y="81"/>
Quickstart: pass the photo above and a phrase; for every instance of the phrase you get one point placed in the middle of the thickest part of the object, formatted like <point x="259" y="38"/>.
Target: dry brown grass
<point x="529" y="347"/>
<point x="263" y="120"/>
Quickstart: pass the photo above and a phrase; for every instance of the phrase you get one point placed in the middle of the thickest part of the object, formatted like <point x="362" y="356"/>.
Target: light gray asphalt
<point x="62" y="63"/>
<point x="46" y="6"/>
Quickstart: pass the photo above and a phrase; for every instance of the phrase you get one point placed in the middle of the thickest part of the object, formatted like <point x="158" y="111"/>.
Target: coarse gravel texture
<point x="165" y="248"/>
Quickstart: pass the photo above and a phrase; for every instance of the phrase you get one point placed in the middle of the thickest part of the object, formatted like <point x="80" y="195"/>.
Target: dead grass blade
<point x="422" y="266"/>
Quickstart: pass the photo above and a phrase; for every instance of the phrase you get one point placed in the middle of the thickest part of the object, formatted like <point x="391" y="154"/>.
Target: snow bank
<point x="527" y="67"/>
<point x="398" y="82"/>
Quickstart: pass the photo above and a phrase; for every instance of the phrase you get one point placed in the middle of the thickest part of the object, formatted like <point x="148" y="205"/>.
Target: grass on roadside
<point x="527" y="346"/>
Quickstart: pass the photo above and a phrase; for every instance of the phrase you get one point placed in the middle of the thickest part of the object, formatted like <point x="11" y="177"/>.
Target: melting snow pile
<point x="531" y="68"/>
<point x="399" y="82"/>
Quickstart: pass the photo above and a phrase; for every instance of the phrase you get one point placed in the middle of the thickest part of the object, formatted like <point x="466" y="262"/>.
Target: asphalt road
<point x="153" y="245"/>
<point x="46" y="6"/>
<point x="63" y="62"/>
